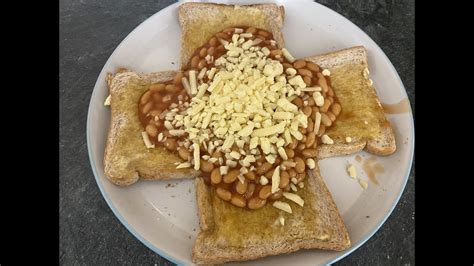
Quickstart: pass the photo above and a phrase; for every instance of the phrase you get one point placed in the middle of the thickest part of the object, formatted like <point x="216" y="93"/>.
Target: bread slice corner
<point x="200" y="21"/>
<point x="229" y="233"/>
<point x="126" y="158"/>
<point x="362" y="117"/>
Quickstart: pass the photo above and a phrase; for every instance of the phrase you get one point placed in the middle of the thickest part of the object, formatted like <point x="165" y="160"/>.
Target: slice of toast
<point x="200" y="21"/>
<point x="229" y="233"/>
<point x="362" y="117"/>
<point x="126" y="157"/>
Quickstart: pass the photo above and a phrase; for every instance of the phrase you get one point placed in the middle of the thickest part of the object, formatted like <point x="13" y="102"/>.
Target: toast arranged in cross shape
<point x="230" y="233"/>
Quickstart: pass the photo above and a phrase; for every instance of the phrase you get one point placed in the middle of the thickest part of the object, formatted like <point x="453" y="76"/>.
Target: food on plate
<point x="200" y="21"/>
<point x="250" y="121"/>
<point x="230" y="233"/>
<point x="362" y="124"/>
<point x="126" y="156"/>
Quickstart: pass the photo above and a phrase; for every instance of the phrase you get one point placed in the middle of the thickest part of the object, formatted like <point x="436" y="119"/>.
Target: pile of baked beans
<point x="254" y="190"/>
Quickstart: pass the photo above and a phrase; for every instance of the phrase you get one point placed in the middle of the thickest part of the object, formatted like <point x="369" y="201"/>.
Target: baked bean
<point x="146" y="97"/>
<point x="217" y="154"/>
<point x="203" y="52"/>
<point x="293" y="144"/>
<point x="202" y="63"/>
<point x="170" y="144"/>
<point x="310" y="139"/>
<point x="231" y="176"/>
<point x="223" y="194"/>
<point x="315" y="110"/>
<point x="311" y="101"/>
<point x="158" y="123"/>
<point x="303" y="130"/>
<point x="206" y="166"/>
<point x="269" y="174"/>
<point x="277" y="195"/>
<point x="290" y="153"/>
<point x="265" y="192"/>
<point x="298" y="102"/>
<point x="330" y="91"/>
<point x="216" y="176"/>
<point x="322" y="82"/>
<point x="256" y="203"/>
<point x="151" y="130"/>
<point x="213" y="41"/>
<point x="194" y="61"/>
<point x="157" y="87"/>
<point x="307" y="80"/>
<point x="300" y="165"/>
<point x="299" y="64"/>
<point x="287" y="65"/>
<point x="307" y="110"/>
<point x="177" y="78"/>
<point x="220" y="48"/>
<point x="264" y="168"/>
<point x="238" y="200"/>
<point x="157" y="97"/>
<point x="167" y="134"/>
<point x="147" y="107"/>
<point x="251" y="30"/>
<point x="322" y="129"/>
<point x="330" y="99"/>
<point x="226" y="186"/>
<point x="287" y="189"/>
<point x="184" y="153"/>
<point x="325" y="120"/>
<point x="310" y="127"/>
<point x="312" y="66"/>
<point x="311" y="153"/>
<point x="261" y="37"/>
<point x="301" y="146"/>
<point x="263" y="33"/>
<point x="250" y="175"/>
<point x="303" y="139"/>
<point x="336" y="109"/>
<point x="325" y="106"/>
<point x="250" y="190"/>
<point x="240" y="187"/>
<point x="305" y="72"/>
<point x="284" y="179"/>
<point x="276" y="52"/>
<point x="292" y="173"/>
<point x="331" y="116"/>
<point x="211" y="50"/>
<point x="172" y="88"/>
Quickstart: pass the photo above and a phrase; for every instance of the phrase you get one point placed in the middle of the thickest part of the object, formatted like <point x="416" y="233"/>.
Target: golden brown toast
<point x="229" y="233"/>
<point x="126" y="157"/>
<point x="200" y="21"/>
<point x="362" y="117"/>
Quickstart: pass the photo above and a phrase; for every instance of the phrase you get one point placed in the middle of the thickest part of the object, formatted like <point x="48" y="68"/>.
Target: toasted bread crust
<point x="380" y="141"/>
<point x="200" y="21"/>
<point x="126" y="158"/>
<point x="208" y="250"/>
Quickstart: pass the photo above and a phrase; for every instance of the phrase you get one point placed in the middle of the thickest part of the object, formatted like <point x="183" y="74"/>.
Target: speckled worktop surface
<point x="89" y="232"/>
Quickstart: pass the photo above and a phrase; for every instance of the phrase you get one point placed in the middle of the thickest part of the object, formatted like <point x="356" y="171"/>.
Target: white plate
<point x="165" y="218"/>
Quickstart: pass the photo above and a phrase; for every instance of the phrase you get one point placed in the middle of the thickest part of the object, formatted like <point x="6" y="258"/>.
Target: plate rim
<point x="167" y="256"/>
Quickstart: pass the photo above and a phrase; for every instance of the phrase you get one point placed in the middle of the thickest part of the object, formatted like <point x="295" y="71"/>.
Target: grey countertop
<point x="89" y="32"/>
